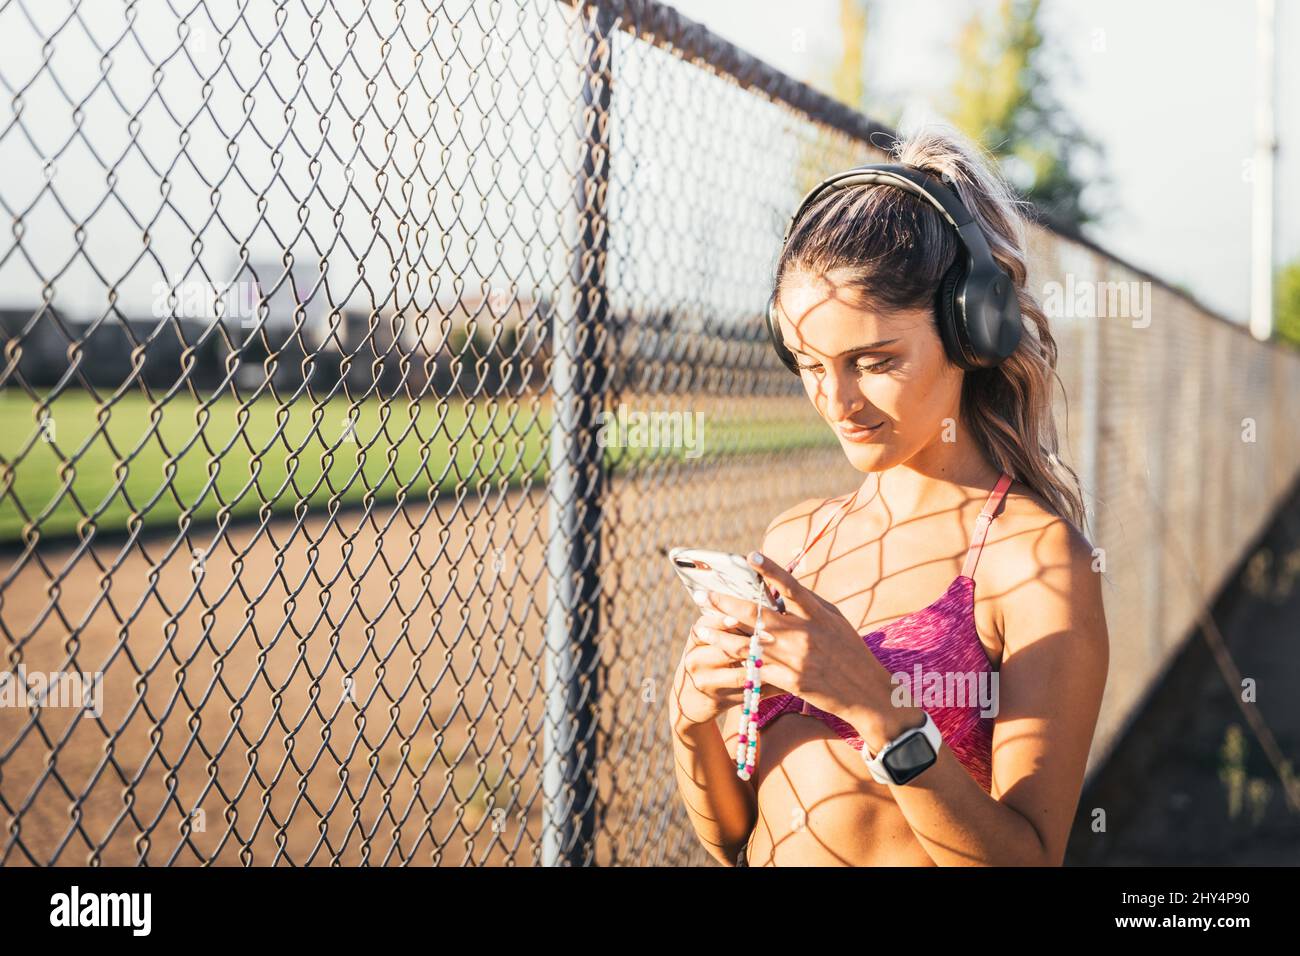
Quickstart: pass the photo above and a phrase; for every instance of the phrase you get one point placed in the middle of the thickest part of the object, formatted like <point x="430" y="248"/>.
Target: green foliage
<point x="466" y="349"/>
<point x="847" y="80"/>
<point x="1286" y="314"/>
<point x="1003" y="98"/>
<point x="848" y="77"/>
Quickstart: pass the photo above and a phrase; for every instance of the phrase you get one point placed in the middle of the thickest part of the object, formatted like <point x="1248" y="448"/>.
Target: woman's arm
<point x="1054" y="665"/>
<point x="722" y="808"/>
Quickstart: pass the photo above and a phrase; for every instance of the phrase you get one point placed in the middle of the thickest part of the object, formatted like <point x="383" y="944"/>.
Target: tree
<point x="1003" y="98"/>
<point x="1286" y="312"/>
<point x="845" y="81"/>
<point x="848" y="82"/>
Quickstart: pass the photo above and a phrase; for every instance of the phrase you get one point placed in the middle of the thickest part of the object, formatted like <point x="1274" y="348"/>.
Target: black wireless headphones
<point x="976" y="306"/>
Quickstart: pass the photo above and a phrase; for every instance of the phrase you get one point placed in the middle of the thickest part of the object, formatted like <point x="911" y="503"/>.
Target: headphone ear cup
<point x="998" y="327"/>
<point x="991" y="321"/>
<point x="950" y="320"/>
<point x="774" y="333"/>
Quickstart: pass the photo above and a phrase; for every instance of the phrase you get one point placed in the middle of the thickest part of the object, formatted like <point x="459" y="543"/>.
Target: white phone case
<point x="702" y="569"/>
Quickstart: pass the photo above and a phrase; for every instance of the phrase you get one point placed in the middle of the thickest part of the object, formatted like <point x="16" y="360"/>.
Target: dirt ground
<point x="1189" y="784"/>
<point x="230" y="697"/>
<point x="362" y="690"/>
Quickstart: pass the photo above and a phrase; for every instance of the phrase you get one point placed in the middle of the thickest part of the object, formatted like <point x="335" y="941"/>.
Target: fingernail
<point x="730" y="621"/>
<point x="699" y="596"/>
<point x="755" y="558"/>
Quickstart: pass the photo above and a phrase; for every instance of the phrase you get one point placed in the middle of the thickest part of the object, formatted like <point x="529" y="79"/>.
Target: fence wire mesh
<point x="329" y="536"/>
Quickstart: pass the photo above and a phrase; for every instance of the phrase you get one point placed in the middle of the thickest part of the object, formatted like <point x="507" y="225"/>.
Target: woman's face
<point x="880" y="380"/>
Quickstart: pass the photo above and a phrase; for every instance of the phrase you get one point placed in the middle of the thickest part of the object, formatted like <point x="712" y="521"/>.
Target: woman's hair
<point x="893" y="248"/>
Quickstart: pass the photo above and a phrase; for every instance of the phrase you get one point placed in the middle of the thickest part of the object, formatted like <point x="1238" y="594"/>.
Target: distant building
<point x="439" y="353"/>
<point x="298" y="299"/>
<point x="475" y="346"/>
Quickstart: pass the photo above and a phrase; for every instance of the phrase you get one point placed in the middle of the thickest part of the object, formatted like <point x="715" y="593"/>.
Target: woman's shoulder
<point x="1037" y="536"/>
<point x="1039" y="563"/>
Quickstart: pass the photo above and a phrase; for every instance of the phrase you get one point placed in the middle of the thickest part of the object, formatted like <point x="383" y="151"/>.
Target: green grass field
<point x="158" y="463"/>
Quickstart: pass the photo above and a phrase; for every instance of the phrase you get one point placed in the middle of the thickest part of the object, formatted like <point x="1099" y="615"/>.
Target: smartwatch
<point x="907" y="755"/>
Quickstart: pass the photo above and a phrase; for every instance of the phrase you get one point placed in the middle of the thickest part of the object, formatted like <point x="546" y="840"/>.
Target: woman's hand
<point x="811" y="650"/>
<point x="709" y="680"/>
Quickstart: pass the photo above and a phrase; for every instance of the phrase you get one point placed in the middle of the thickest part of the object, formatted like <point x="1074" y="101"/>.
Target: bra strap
<point x="820" y="531"/>
<point x="982" y="524"/>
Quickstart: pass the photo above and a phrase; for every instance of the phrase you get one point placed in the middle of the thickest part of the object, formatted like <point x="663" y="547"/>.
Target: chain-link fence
<point x="360" y="361"/>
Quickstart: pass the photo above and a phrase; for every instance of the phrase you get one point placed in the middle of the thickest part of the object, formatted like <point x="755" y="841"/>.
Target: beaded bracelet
<point x="747" y="746"/>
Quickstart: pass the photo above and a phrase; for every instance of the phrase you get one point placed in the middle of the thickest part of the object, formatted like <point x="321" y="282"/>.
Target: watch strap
<point x="876" y="764"/>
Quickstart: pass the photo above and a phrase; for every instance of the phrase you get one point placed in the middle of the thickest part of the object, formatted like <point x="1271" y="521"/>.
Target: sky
<point x="176" y="195"/>
<point x="311" y="167"/>
<point x="1166" y="86"/>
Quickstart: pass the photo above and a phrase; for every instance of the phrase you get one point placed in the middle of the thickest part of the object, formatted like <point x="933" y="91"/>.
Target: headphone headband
<point x="917" y="181"/>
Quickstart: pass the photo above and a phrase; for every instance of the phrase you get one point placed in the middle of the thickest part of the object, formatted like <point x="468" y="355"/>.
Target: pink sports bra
<point x="941" y="638"/>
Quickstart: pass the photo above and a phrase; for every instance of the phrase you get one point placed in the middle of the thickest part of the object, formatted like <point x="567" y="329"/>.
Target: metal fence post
<point x="576" y="487"/>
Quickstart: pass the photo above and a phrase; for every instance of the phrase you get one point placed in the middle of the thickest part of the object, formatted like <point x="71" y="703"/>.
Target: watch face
<point x="909" y="758"/>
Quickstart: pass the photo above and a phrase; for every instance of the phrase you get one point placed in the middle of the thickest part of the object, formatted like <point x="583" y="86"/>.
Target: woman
<point x="1014" y="630"/>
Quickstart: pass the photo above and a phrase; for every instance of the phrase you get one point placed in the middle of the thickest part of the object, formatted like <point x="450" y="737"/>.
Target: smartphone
<point x="704" y="570"/>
